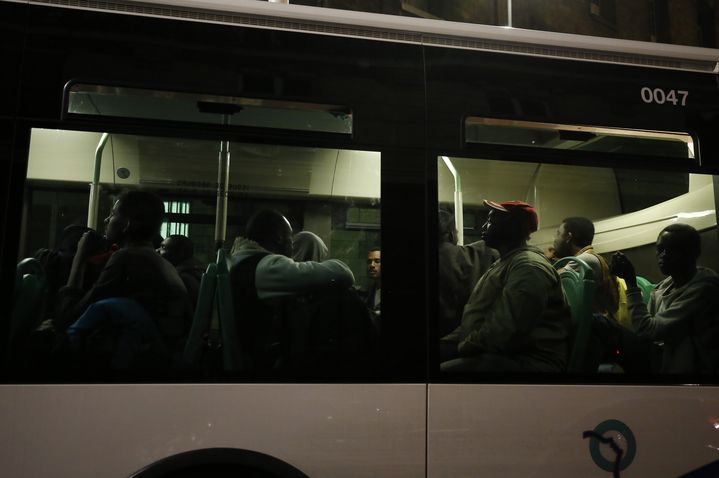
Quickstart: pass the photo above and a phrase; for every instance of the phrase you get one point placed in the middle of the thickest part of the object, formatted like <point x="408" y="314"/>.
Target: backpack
<point x="329" y="334"/>
<point x="319" y="334"/>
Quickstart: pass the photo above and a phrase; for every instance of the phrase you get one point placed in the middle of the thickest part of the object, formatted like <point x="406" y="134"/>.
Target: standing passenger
<point x="683" y="309"/>
<point x="460" y="267"/>
<point x="516" y="319"/>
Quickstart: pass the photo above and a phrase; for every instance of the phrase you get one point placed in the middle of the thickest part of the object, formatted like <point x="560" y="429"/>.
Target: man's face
<point x="562" y="240"/>
<point x="374" y="265"/>
<point x="168" y="250"/>
<point x="671" y="255"/>
<point x="115" y="225"/>
<point x="499" y="229"/>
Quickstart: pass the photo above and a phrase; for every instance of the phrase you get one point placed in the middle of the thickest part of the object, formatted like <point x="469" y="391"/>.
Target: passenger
<point x="374" y="291"/>
<point x="268" y="242"/>
<point x="58" y="262"/>
<point x="308" y="246"/>
<point x="683" y="309"/>
<point x="179" y="250"/>
<point x="516" y="319"/>
<point x="135" y="271"/>
<point x="574" y="238"/>
<point x="265" y="279"/>
<point x="460" y="267"/>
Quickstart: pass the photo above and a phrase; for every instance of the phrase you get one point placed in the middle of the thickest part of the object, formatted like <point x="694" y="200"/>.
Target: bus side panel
<point x="382" y="83"/>
<point x="322" y="430"/>
<point x="537" y="430"/>
<point x="490" y="85"/>
<point x="12" y="39"/>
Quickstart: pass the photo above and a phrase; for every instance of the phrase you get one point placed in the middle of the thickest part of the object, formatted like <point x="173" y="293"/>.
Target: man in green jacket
<point x="516" y="319"/>
<point x="683" y="310"/>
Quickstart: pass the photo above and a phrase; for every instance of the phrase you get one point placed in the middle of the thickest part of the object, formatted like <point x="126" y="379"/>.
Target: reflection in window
<point x="171" y="228"/>
<point x="643" y="20"/>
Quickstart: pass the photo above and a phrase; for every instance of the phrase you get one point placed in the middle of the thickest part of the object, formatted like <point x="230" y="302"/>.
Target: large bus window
<point x="168" y="295"/>
<point x="514" y="237"/>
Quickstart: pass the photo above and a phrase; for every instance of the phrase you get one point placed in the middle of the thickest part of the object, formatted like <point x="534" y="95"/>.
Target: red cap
<point x="521" y="210"/>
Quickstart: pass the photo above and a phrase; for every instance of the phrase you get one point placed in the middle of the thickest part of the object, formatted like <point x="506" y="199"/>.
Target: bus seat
<point x="213" y="322"/>
<point x="29" y="297"/>
<point x="646" y="286"/>
<point x="578" y="286"/>
<point x="230" y="347"/>
<point x="202" y="317"/>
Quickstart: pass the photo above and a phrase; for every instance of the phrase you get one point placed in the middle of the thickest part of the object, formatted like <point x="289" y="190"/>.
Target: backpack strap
<point x="257" y="324"/>
<point x="243" y="275"/>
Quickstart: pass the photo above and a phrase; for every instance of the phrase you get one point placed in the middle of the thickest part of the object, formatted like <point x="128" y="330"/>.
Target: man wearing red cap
<point x="516" y="319"/>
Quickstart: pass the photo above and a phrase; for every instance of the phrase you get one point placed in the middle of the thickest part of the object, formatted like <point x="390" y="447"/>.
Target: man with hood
<point x="683" y="309"/>
<point x="265" y="280"/>
<point x="268" y="245"/>
<point x="308" y="246"/>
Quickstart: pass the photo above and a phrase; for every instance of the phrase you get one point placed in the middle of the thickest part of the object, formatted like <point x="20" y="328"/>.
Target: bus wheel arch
<point x="219" y="463"/>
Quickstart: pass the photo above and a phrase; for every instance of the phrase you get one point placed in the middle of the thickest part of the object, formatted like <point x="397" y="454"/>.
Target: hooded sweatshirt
<point x="685" y="318"/>
<point x="308" y="246"/>
<point x="280" y="276"/>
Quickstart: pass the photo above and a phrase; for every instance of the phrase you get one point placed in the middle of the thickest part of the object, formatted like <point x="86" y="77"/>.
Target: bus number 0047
<point x="660" y="96"/>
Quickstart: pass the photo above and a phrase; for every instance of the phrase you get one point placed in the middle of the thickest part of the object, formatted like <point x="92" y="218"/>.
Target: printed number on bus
<point x="660" y="96"/>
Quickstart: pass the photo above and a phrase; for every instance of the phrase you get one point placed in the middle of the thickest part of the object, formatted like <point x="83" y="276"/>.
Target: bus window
<point x="125" y="102"/>
<point x="326" y="316"/>
<point x="609" y="141"/>
<point x="620" y="210"/>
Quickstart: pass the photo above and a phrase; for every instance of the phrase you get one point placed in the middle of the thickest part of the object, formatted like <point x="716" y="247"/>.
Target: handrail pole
<point x="94" y="200"/>
<point x="458" y="200"/>
<point x="223" y="183"/>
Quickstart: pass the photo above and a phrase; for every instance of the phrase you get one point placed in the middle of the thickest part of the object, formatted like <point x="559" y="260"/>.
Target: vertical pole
<point x="509" y="13"/>
<point x="458" y="201"/>
<point x="715" y="180"/>
<point x="95" y="184"/>
<point x="223" y="183"/>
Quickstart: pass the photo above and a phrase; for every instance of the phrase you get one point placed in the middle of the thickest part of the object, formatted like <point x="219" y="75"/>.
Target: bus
<point x="357" y="127"/>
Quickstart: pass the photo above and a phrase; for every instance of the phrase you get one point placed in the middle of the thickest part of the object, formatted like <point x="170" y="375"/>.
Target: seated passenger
<point x="135" y="271"/>
<point x="135" y="342"/>
<point x="683" y="309"/>
<point x="264" y="277"/>
<point x="308" y="246"/>
<point x="268" y="243"/>
<point x="179" y="250"/>
<point x="574" y="238"/>
<point x="516" y="319"/>
<point x="58" y="262"/>
<point x="460" y="267"/>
